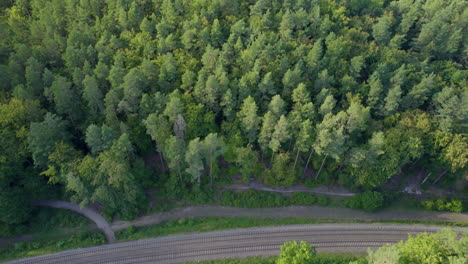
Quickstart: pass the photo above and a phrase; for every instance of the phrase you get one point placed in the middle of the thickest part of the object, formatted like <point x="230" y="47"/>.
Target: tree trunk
<point x="427" y="177"/>
<point x="180" y="174"/>
<point x="162" y="161"/>
<point x="362" y="163"/>
<point x="297" y="157"/>
<point x="271" y="162"/>
<point x="307" y="163"/>
<point x="321" y="166"/>
<point x="290" y="145"/>
<point x="344" y="161"/>
<point x="440" y="176"/>
<point x="211" y="173"/>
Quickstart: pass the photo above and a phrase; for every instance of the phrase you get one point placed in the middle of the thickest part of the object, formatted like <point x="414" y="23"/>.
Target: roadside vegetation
<point x="50" y="245"/>
<point x="319" y="258"/>
<point x="439" y="248"/>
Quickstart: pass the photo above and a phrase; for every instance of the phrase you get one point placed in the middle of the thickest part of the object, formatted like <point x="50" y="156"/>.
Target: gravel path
<point x="238" y="243"/>
<point x="291" y="211"/>
<point x="90" y="213"/>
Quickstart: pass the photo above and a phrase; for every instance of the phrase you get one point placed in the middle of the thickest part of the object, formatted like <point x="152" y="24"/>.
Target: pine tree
<point x="249" y="119"/>
<point x="93" y="95"/>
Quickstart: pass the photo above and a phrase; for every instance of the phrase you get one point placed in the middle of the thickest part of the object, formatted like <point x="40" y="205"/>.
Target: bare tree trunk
<point x="161" y="158"/>
<point x="427" y="177"/>
<point x="211" y="173"/>
<point x="180" y="174"/>
<point x="307" y="163"/>
<point x="440" y="176"/>
<point x="297" y="157"/>
<point x="321" y="166"/>
<point x="344" y="161"/>
<point x="290" y="145"/>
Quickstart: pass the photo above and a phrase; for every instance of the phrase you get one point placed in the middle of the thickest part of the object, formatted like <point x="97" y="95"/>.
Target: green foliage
<point x="253" y="198"/>
<point x="43" y="136"/>
<point x="441" y="204"/>
<point x="303" y="198"/>
<point x="368" y="201"/>
<point x="441" y="247"/>
<point x="292" y="252"/>
<point x="354" y="90"/>
<point x="29" y="249"/>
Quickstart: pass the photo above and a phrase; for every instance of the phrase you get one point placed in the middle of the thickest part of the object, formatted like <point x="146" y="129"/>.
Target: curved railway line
<point x="238" y="243"/>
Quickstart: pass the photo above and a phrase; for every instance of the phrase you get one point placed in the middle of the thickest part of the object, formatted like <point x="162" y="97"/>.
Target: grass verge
<point x="42" y="247"/>
<point x="200" y="225"/>
<point x="320" y="258"/>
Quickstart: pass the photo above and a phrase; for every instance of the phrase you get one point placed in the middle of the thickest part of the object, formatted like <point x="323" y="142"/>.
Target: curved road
<point x="90" y="213"/>
<point x="238" y="243"/>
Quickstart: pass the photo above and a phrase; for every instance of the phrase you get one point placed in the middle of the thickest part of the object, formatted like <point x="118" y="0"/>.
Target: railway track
<point x="238" y="243"/>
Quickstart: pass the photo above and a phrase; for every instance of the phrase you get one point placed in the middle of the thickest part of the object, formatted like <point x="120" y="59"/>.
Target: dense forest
<point x="103" y="99"/>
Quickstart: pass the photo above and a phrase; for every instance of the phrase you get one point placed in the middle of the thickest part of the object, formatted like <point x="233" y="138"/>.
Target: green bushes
<point x="441" y="204"/>
<point x="254" y="198"/>
<point x="44" y="219"/>
<point x="368" y="201"/>
<point x="303" y="198"/>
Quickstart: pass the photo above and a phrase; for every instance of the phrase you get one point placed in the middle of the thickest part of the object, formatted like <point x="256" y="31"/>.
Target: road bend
<point x="332" y="238"/>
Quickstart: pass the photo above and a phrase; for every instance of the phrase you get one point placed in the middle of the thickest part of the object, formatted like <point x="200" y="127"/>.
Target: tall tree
<point x="93" y="95"/>
<point x="194" y="160"/>
<point x="213" y="148"/>
<point x="280" y="134"/>
<point x="65" y="98"/>
<point x="43" y="136"/>
<point x="174" y="152"/>
<point x="249" y="119"/>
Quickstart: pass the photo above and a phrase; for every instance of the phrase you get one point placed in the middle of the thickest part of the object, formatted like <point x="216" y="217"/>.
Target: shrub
<point x="368" y="201"/>
<point x="303" y="198"/>
<point x="293" y="252"/>
<point x="323" y="200"/>
<point x="455" y="206"/>
<point x="428" y="205"/>
<point x="442" y="204"/>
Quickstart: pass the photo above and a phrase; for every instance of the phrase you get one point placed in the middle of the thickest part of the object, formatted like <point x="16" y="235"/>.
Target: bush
<point x="368" y="201"/>
<point x="293" y="252"/>
<point x="428" y="205"/>
<point x="323" y="200"/>
<point x="254" y="198"/>
<point x="442" y="204"/>
<point x="303" y="198"/>
<point x="455" y="206"/>
<point x="199" y="196"/>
